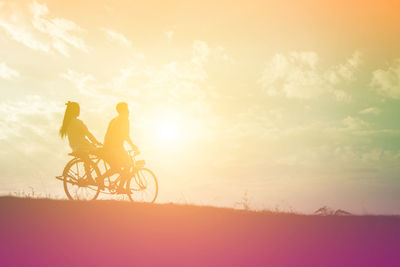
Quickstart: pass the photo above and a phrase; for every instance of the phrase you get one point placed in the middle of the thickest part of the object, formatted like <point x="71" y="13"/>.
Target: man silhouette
<point x="117" y="134"/>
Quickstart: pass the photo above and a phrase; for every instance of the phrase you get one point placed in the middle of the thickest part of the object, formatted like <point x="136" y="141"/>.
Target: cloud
<point x="370" y="110"/>
<point x="30" y="127"/>
<point x="125" y="74"/>
<point x="7" y="72"/>
<point x="23" y="35"/>
<point x="186" y="81"/>
<point x="220" y="53"/>
<point x="387" y="82"/>
<point x="115" y="36"/>
<point x="180" y="81"/>
<point x="292" y="75"/>
<point x="345" y="71"/>
<point x="60" y="30"/>
<point x="298" y="75"/>
<point x="202" y="53"/>
<point x="182" y="84"/>
<point x="80" y="80"/>
<point x="15" y="112"/>
<point x="355" y="161"/>
<point x="348" y="143"/>
<point x="169" y="34"/>
<point x="35" y="28"/>
<point x="352" y="123"/>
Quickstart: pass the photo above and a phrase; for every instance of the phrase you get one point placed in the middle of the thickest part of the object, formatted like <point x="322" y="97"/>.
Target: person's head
<point x="122" y="109"/>
<point x="72" y="111"/>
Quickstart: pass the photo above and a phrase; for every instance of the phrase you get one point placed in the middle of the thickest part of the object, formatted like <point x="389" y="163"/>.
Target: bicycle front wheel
<point x="143" y="186"/>
<point x="77" y="181"/>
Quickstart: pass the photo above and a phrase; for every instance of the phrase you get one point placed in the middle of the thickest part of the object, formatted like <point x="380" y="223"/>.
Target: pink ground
<point x="109" y="233"/>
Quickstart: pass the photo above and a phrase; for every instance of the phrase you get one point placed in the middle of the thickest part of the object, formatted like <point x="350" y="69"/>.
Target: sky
<point x="293" y="105"/>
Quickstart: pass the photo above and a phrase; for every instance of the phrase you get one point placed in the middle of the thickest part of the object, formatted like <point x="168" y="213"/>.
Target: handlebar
<point x="134" y="152"/>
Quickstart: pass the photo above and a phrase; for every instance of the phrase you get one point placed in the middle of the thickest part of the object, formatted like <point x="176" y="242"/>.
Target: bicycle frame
<point x="112" y="184"/>
<point x="140" y="180"/>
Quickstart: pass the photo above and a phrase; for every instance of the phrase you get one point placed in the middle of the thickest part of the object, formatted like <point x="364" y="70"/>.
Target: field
<point x="42" y="232"/>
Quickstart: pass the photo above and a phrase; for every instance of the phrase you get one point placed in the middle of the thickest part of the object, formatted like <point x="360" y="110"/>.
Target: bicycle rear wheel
<point x="76" y="182"/>
<point x="143" y="186"/>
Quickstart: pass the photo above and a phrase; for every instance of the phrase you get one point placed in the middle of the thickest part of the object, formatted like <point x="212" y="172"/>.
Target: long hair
<point x="72" y="111"/>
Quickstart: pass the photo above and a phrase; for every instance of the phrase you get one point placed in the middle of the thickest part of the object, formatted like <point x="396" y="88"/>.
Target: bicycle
<point x="82" y="174"/>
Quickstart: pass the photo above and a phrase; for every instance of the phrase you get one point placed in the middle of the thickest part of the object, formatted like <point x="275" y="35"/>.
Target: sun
<point x="169" y="129"/>
<point x="168" y="132"/>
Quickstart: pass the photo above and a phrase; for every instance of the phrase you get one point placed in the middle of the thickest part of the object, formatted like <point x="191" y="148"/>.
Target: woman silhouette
<point x="79" y="137"/>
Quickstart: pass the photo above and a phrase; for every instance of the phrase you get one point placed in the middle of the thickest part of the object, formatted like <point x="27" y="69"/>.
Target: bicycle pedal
<point x="61" y="178"/>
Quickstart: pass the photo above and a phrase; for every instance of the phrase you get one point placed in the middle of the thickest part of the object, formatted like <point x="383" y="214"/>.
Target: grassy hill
<point x="37" y="232"/>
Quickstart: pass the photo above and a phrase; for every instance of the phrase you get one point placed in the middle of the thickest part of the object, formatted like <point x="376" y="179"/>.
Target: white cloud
<point x="116" y="36"/>
<point x="33" y="27"/>
<point x="341" y="96"/>
<point x="220" y="53"/>
<point x="370" y="110"/>
<point x="298" y="75"/>
<point x="30" y="116"/>
<point x="202" y="53"/>
<point x="352" y="123"/>
<point x="345" y="71"/>
<point x="60" y="30"/>
<point x="21" y="34"/>
<point x="6" y="72"/>
<point x="169" y="35"/>
<point x="30" y="127"/>
<point x="294" y="75"/>
<point x="125" y="74"/>
<point x="179" y="81"/>
<point x="387" y="82"/>
<point x="330" y="145"/>
<point x="80" y="80"/>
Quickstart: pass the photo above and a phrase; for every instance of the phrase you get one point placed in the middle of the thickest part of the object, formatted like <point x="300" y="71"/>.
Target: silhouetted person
<point x="80" y="139"/>
<point x="117" y="134"/>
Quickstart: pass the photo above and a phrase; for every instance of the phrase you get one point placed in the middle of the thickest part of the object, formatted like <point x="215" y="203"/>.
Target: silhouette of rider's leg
<point x="100" y="179"/>
<point x="88" y="171"/>
<point x="124" y="176"/>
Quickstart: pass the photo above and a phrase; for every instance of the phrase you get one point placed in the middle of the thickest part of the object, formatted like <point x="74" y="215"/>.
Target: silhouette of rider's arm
<point x="90" y="136"/>
<point x="128" y="138"/>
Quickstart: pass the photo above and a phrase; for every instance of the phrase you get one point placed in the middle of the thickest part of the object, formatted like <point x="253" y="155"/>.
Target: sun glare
<point x="168" y="129"/>
<point x="168" y="132"/>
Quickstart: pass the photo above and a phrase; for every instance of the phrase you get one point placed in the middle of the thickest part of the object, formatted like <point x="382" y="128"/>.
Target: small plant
<point x="32" y="193"/>
<point x="244" y="202"/>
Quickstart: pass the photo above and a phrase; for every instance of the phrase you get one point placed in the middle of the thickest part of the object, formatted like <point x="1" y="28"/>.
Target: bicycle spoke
<point x="76" y="174"/>
<point x="76" y="184"/>
<point x="76" y="192"/>
<point x="143" y="186"/>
